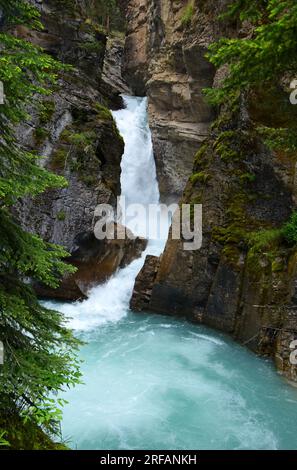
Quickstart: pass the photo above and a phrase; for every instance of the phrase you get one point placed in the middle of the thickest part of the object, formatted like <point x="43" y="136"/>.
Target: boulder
<point x="96" y="261"/>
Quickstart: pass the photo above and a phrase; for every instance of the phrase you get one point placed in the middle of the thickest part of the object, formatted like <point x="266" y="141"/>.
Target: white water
<point x="110" y="302"/>
<point x="152" y="382"/>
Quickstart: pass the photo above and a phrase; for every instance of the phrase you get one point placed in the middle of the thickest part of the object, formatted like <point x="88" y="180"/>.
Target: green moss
<point x="103" y="112"/>
<point x="59" y="158"/>
<point x="200" y="177"/>
<point x="20" y="435"/>
<point x="289" y="230"/>
<point x="197" y="199"/>
<point x="264" y="239"/>
<point x="65" y="136"/>
<point x="92" y="47"/>
<point x="40" y="134"/>
<point x="76" y="166"/>
<point x="278" y="265"/>
<point x="188" y="13"/>
<point x="61" y="215"/>
<point x="225" y="144"/>
<point x="264" y="244"/>
<point x="231" y="234"/>
<point x="82" y="139"/>
<point x="227" y="115"/>
<point x="247" y="177"/>
<point x="46" y="111"/>
<point x="89" y="180"/>
<point x="200" y="156"/>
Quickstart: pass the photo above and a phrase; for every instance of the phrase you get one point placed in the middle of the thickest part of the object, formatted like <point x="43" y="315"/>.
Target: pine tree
<point x="263" y="58"/>
<point x="39" y="351"/>
<point x="258" y="63"/>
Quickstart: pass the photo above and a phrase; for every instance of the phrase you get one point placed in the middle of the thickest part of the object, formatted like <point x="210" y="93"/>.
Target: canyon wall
<point x="75" y="134"/>
<point x="165" y="59"/>
<point x="243" y="279"/>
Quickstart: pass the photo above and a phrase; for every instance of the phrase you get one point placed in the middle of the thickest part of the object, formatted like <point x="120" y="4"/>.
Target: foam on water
<point x="150" y="387"/>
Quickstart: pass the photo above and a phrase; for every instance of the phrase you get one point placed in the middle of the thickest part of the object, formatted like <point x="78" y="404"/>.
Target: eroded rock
<point x="96" y="261"/>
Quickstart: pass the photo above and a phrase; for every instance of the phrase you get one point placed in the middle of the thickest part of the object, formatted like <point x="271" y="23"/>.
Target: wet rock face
<point x="70" y="35"/>
<point x="165" y="59"/>
<point x="112" y="82"/>
<point x="76" y="136"/>
<point x="144" y="284"/>
<point x="96" y="261"/>
<point x="230" y="284"/>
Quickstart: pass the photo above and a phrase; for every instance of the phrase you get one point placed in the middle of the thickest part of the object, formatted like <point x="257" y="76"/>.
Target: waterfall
<point x="154" y="382"/>
<point x="138" y="180"/>
<point x="109" y="302"/>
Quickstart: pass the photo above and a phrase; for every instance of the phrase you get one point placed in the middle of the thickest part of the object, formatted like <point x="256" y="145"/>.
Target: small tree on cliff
<point x="260" y="61"/>
<point x="263" y="58"/>
<point x="39" y="352"/>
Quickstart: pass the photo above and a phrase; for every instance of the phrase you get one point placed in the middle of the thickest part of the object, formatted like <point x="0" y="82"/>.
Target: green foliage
<point x="200" y="155"/>
<point x="18" y="12"/>
<point x="251" y="10"/>
<point x="82" y="139"/>
<point x="247" y="177"/>
<point x="26" y="435"/>
<point x="46" y="111"/>
<point x="59" y="158"/>
<point x="188" y="13"/>
<point x="61" y="216"/>
<point x="109" y="15"/>
<point x="91" y="47"/>
<point x="40" y="134"/>
<point x="265" y="244"/>
<point x="40" y="357"/>
<point x="289" y="231"/>
<point x="263" y="58"/>
<point x="3" y="441"/>
<point x="103" y="112"/>
<point x="264" y="240"/>
<point x="225" y="146"/>
<point x="279" y="139"/>
<point x="200" y="177"/>
<point x="89" y="180"/>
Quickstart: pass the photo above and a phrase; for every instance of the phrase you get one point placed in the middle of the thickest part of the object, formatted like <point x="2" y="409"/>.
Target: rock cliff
<point x="165" y="59"/>
<point x="243" y="279"/>
<point x="74" y="132"/>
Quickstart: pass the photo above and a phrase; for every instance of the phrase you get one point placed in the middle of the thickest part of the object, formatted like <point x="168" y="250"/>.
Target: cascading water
<point x="110" y="302"/>
<point x="157" y="383"/>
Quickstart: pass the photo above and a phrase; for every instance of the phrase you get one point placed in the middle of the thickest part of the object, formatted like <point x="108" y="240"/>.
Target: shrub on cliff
<point x="263" y="58"/>
<point x="290" y="230"/>
<point x="39" y="352"/>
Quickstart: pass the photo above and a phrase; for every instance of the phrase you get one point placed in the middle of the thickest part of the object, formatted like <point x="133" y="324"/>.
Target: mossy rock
<point x="102" y="112"/>
<point x="61" y="216"/>
<point x="46" y="111"/>
<point x="59" y="158"/>
<point x="200" y="177"/>
<point x="40" y="135"/>
<point x="26" y="435"/>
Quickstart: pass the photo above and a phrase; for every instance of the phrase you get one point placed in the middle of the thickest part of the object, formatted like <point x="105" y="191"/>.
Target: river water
<point x="153" y="382"/>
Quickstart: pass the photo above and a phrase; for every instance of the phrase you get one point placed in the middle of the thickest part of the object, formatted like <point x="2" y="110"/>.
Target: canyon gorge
<point x="130" y="116"/>
<point x="163" y="57"/>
